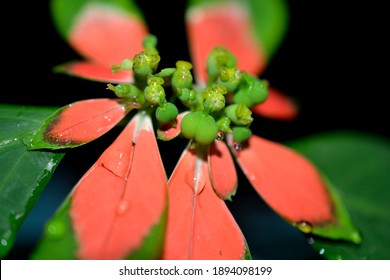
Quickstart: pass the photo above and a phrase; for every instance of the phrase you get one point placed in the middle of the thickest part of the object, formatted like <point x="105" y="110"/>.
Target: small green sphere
<point x="241" y="133"/>
<point x="199" y="126"/>
<point x="166" y="113"/>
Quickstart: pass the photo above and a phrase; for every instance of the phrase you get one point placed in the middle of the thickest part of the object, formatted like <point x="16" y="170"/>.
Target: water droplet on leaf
<point x="55" y="229"/>
<point x="4" y="243"/>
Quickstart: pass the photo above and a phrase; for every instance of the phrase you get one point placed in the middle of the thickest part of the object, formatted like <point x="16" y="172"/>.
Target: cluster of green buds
<point x="222" y="106"/>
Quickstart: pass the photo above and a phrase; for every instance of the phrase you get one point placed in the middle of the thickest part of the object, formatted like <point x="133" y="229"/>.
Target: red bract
<point x="117" y="210"/>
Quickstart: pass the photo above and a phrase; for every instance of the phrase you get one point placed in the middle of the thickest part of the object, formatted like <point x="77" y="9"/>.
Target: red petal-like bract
<point x="169" y="131"/>
<point x="95" y="72"/>
<point x="287" y="181"/>
<point x="199" y="225"/>
<point x="222" y="170"/>
<point x="277" y="106"/>
<point x="229" y="25"/>
<point x="83" y="121"/>
<point x="119" y="200"/>
<point x="107" y="36"/>
<point x="226" y="25"/>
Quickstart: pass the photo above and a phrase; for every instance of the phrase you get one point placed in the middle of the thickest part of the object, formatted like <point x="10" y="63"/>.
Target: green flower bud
<point x="229" y="78"/>
<point x="154" y="93"/>
<point x="219" y="57"/>
<point x="166" y="72"/>
<point x="223" y="124"/>
<point x="182" y="78"/>
<point x="127" y="64"/>
<point x="213" y="98"/>
<point x="150" y="42"/>
<point x="239" y="114"/>
<point x="166" y="113"/>
<point x="241" y="133"/>
<point x="127" y="91"/>
<point x="188" y="97"/>
<point x="146" y="62"/>
<point x="199" y="126"/>
<point x="242" y="97"/>
<point x="251" y="91"/>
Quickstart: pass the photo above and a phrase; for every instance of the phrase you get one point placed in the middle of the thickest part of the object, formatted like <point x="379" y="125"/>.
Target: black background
<point x="332" y="63"/>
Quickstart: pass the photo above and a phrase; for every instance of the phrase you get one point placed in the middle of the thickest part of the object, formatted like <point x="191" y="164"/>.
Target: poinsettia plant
<point x="126" y="206"/>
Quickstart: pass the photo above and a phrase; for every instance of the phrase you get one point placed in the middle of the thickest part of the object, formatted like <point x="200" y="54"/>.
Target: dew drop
<point x="55" y="229"/>
<point x="310" y="241"/>
<point x="123" y="207"/>
<point x="303" y="226"/>
<point x="4" y="243"/>
<point x="50" y="165"/>
<point x="237" y="146"/>
<point x="220" y="136"/>
<point x="322" y="251"/>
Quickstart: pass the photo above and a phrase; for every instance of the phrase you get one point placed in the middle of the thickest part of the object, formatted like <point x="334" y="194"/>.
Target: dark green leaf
<point x="24" y="174"/>
<point x="358" y="165"/>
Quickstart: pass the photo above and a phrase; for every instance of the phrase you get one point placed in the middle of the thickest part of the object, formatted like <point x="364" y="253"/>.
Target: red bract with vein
<point x="200" y="225"/>
<point x="117" y="203"/>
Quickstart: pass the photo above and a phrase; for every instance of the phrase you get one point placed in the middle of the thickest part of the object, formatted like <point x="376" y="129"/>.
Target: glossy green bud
<point x="127" y="64"/>
<point x="166" y="113"/>
<point x="150" y="42"/>
<point x="199" y="126"/>
<point x="188" y="97"/>
<point x="146" y="62"/>
<point x="251" y="91"/>
<point x="239" y="114"/>
<point x="213" y="98"/>
<point x="219" y="57"/>
<point x="230" y="78"/>
<point x="154" y="93"/>
<point x="223" y="124"/>
<point x="127" y="91"/>
<point x="166" y="72"/>
<point x="241" y="133"/>
<point x="182" y="78"/>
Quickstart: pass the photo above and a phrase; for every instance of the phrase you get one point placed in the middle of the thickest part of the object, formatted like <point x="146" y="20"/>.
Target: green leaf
<point x="58" y="241"/>
<point x="24" y="174"/>
<point x="358" y="165"/>
<point x="65" y="12"/>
